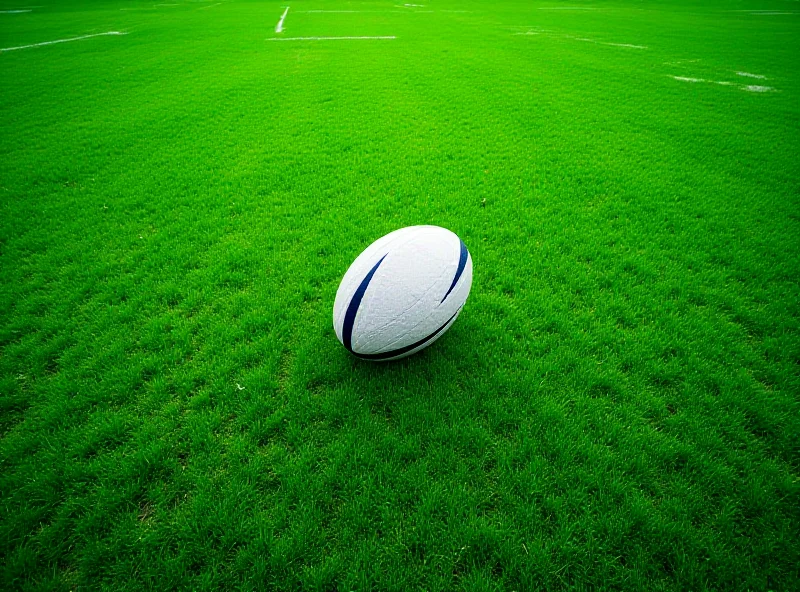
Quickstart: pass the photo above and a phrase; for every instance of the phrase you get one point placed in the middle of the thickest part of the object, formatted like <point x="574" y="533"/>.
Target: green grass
<point x="617" y="405"/>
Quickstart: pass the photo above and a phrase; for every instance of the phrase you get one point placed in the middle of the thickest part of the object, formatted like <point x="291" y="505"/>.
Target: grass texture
<point x="617" y="406"/>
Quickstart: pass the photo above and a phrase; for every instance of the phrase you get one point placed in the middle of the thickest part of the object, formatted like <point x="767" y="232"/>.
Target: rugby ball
<point x="402" y="293"/>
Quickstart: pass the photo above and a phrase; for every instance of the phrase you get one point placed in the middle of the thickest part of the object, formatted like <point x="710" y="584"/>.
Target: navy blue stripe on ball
<point x="406" y="349"/>
<point x="462" y="263"/>
<point x="352" y="308"/>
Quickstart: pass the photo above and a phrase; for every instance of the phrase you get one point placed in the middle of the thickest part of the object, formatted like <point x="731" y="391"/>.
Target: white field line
<point x="209" y="6"/>
<point x="279" y="26"/>
<point x="342" y="11"/>
<point x="629" y="45"/>
<point x="326" y="38"/>
<point x="748" y="75"/>
<point x="587" y="40"/>
<point x="626" y="45"/>
<point x="61" y="41"/>
<point x="14" y="11"/>
<point x="748" y="88"/>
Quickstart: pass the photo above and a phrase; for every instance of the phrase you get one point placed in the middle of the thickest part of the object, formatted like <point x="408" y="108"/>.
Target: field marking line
<point x="279" y="26"/>
<point x="326" y="38"/>
<point x="748" y="87"/>
<point x="209" y="6"/>
<point x="587" y="40"/>
<point x="15" y="11"/>
<point x="626" y="45"/>
<point x="748" y="75"/>
<point x="342" y="11"/>
<point x="62" y="41"/>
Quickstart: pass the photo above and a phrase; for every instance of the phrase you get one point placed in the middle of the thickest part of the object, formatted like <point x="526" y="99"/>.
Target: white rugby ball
<point x="402" y="293"/>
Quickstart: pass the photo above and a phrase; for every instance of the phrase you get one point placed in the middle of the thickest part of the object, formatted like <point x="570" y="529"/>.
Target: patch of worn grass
<point x="616" y="407"/>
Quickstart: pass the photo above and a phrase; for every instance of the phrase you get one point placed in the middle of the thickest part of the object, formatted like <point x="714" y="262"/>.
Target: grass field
<point x="617" y="405"/>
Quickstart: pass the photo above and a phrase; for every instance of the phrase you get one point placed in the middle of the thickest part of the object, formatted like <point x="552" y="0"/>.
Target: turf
<point x="617" y="405"/>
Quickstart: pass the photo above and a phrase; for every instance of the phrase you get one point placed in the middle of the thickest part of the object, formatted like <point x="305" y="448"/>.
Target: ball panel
<point x="402" y="352"/>
<point x="355" y="302"/>
<point x="361" y="267"/>
<point x="401" y="302"/>
<point x="432" y="321"/>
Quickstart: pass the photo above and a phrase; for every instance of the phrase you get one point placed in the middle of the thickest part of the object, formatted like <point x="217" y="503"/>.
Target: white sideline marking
<point x="748" y="75"/>
<point x="13" y="11"/>
<point x="326" y="38"/>
<point x="528" y="33"/>
<point x="61" y="41"/>
<point x="279" y="26"/>
<point x="209" y="6"/>
<point x="416" y="5"/>
<point x="343" y="11"/>
<point x="606" y="42"/>
<point x="627" y="45"/>
<point x="749" y="88"/>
